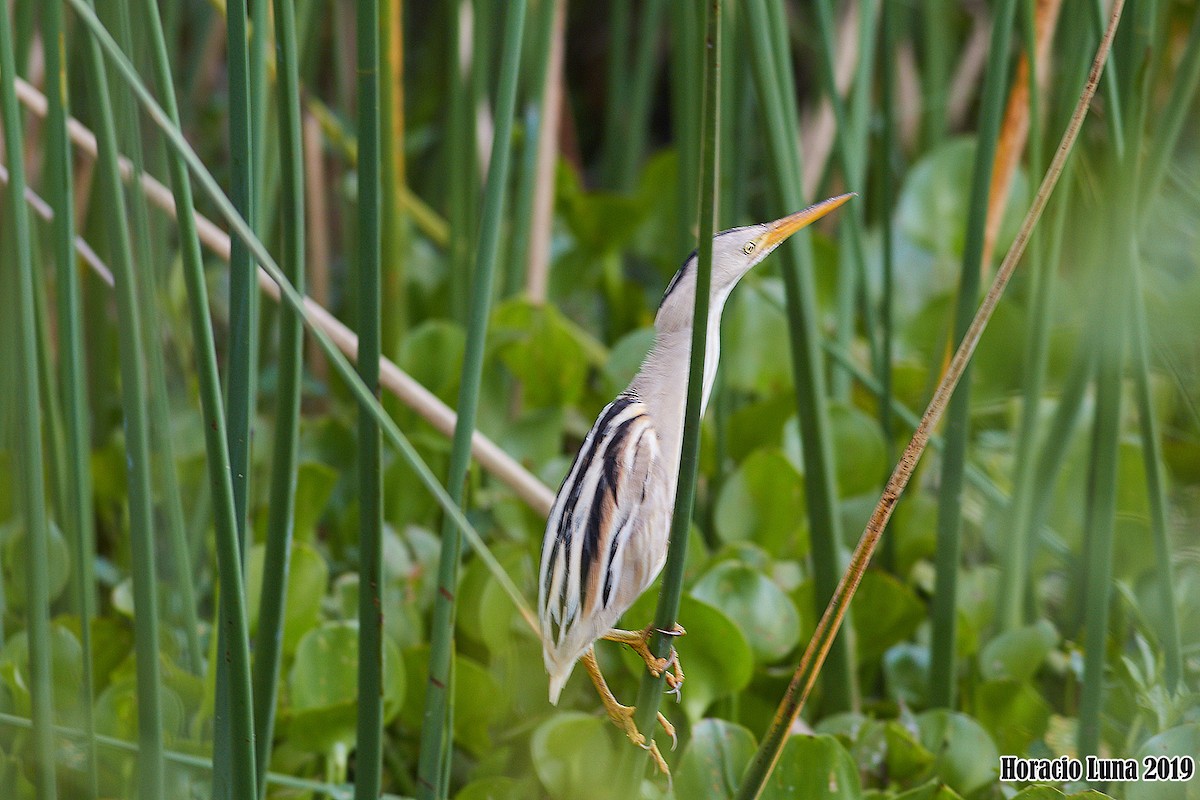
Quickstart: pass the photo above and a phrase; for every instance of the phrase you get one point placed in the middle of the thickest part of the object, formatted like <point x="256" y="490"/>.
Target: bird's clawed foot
<point x="622" y="716"/>
<point x="638" y="641"/>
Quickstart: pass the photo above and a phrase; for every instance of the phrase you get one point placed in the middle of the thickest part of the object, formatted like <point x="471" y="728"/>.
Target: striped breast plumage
<point x="606" y="538"/>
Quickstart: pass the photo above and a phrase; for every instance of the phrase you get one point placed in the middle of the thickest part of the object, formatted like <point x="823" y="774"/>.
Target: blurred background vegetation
<point x="1035" y="593"/>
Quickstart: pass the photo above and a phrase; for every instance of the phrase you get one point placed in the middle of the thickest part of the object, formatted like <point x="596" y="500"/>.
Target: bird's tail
<point x="558" y="678"/>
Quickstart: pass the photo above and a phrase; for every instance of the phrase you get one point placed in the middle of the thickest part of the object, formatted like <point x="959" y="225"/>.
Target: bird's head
<point x="735" y="252"/>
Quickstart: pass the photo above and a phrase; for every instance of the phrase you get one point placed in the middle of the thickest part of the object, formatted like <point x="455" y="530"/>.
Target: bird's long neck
<point x="662" y="382"/>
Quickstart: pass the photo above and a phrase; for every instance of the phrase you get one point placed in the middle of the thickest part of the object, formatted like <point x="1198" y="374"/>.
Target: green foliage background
<point x="622" y="189"/>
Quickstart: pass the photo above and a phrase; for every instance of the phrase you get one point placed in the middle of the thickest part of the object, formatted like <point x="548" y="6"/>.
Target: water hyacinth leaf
<point x="933" y="205"/>
<point x="767" y="616"/>
<point x="756" y="329"/>
<point x="476" y="696"/>
<point x="1178" y="741"/>
<point x="116" y="710"/>
<point x="758" y="424"/>
<point x="66" y="668"/>
<point x="315" y="483"/>
<point x="715" y="652"/>
<point x="1013" y="712"/>
<point x="906" y="671"/>
<point x="967" y="759"/>
<point x="432" y="354"/>
<point x="815" y="768"/>
<point x="323" y="686"/>
<point x="1039" y="793"/>
<point x="13" y="546"/>
<point x="1017" y="654"/>
<point x="573" y="754"/>
<point x="547" y="352"/>
<point x="497" y="788"/>
<point x="763" y="501"/>
<point x="906" y="756"/>
<point x="934" y="790"/>
<point x="715" y="758"/>
<point x="625" y="358"/>
<point x="886" y="612"/>
<point x="307" y="579"/>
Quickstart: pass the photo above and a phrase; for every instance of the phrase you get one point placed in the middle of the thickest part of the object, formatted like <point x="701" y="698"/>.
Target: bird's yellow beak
<point x="781" y="229"/>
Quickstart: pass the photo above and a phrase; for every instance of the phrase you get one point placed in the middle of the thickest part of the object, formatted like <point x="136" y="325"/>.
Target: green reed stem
<point x="536" y="64"/>
<point x="942" y="671"/>
<point x="776" y="93"/>
<point x="281" y="515"/>
<point x="1014" y="586"/>
<point x="137" y="434"/>
<point x="667" y="612"/>
<point x="369" y="752"/>
<point x="240" y="390"/>
<point x="848" y="156"/>
<point x="394" y="233"/>
<point x="240" y="387"/>
<point x="803" y="679"/>
<point x="1170" y="124"/>
<point x="686" y="86"/>
<point x="182" y="606"/>
<point x="460" y="163"/>
<point x="935" y="78"/>
<point x="294" y="300"/>
<point x="29" y="433"/>
<point x="78" y="520"/>
<point x="1168" y="623"/>
<point x="632" y="117"/>
<point x="436" y="736"/>
<point x="238" y="763"/>
<point x="886" y="204"/>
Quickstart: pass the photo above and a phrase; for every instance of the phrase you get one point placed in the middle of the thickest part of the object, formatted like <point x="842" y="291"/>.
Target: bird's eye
<point x="748" y="248"/>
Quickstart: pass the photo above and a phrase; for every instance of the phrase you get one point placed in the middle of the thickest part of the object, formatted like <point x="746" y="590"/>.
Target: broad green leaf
<point x="967" y="759"/>
<point x="432" y="354"/>
<point x="547" y="352"/>
<point x="497" y="788"/>
<point x="314" y="486"/>
<point x="1013" y="712"/>
<point x="478" y="700"/>
<point x="934" y="790"/>
<point x="66" y="669"/>
<point x="862" y="456"/>
<point x="323" y="687"/>
<point x="1175" y="742"/>
<point x="573" y="754"/>
<point x="906" y="756"/>
<point x="759" y="424"/>
<point x="14" y="563"/>
<point x="763" y="502"/>
<point x="885" y="612"/>
<point x="906" y="669"/>
<point x="813" y="768"/>
<point x="713" y="763"/>
<point x="933" y="203"/>
<point x="755" y="344"/>
<point x="767" y="616"/>
<point x="1038" y="793"/>
<point x="307" y="580"/>
<point x="117" y="708"/>
<point x="1017" y="654"/>
<point x="624" y="359"/>
<point x="716" y="658"/>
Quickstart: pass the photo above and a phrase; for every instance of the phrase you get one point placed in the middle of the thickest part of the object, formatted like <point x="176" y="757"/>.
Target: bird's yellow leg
<point x="639" y="641"/>
<point x="622" y="716"/>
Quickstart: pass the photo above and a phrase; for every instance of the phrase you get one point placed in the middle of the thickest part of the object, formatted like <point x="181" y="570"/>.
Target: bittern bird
<point x="606" y="538"/>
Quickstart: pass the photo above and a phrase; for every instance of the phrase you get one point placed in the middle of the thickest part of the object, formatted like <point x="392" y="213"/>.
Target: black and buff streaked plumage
<point x="606" y="538"/>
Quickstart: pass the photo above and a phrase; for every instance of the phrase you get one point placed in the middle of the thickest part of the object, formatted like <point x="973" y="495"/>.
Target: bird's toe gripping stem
<point x="639" y="642"/>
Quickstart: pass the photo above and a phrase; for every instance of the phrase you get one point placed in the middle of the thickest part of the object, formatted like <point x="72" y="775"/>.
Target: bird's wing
<point x="600" y="509"/>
